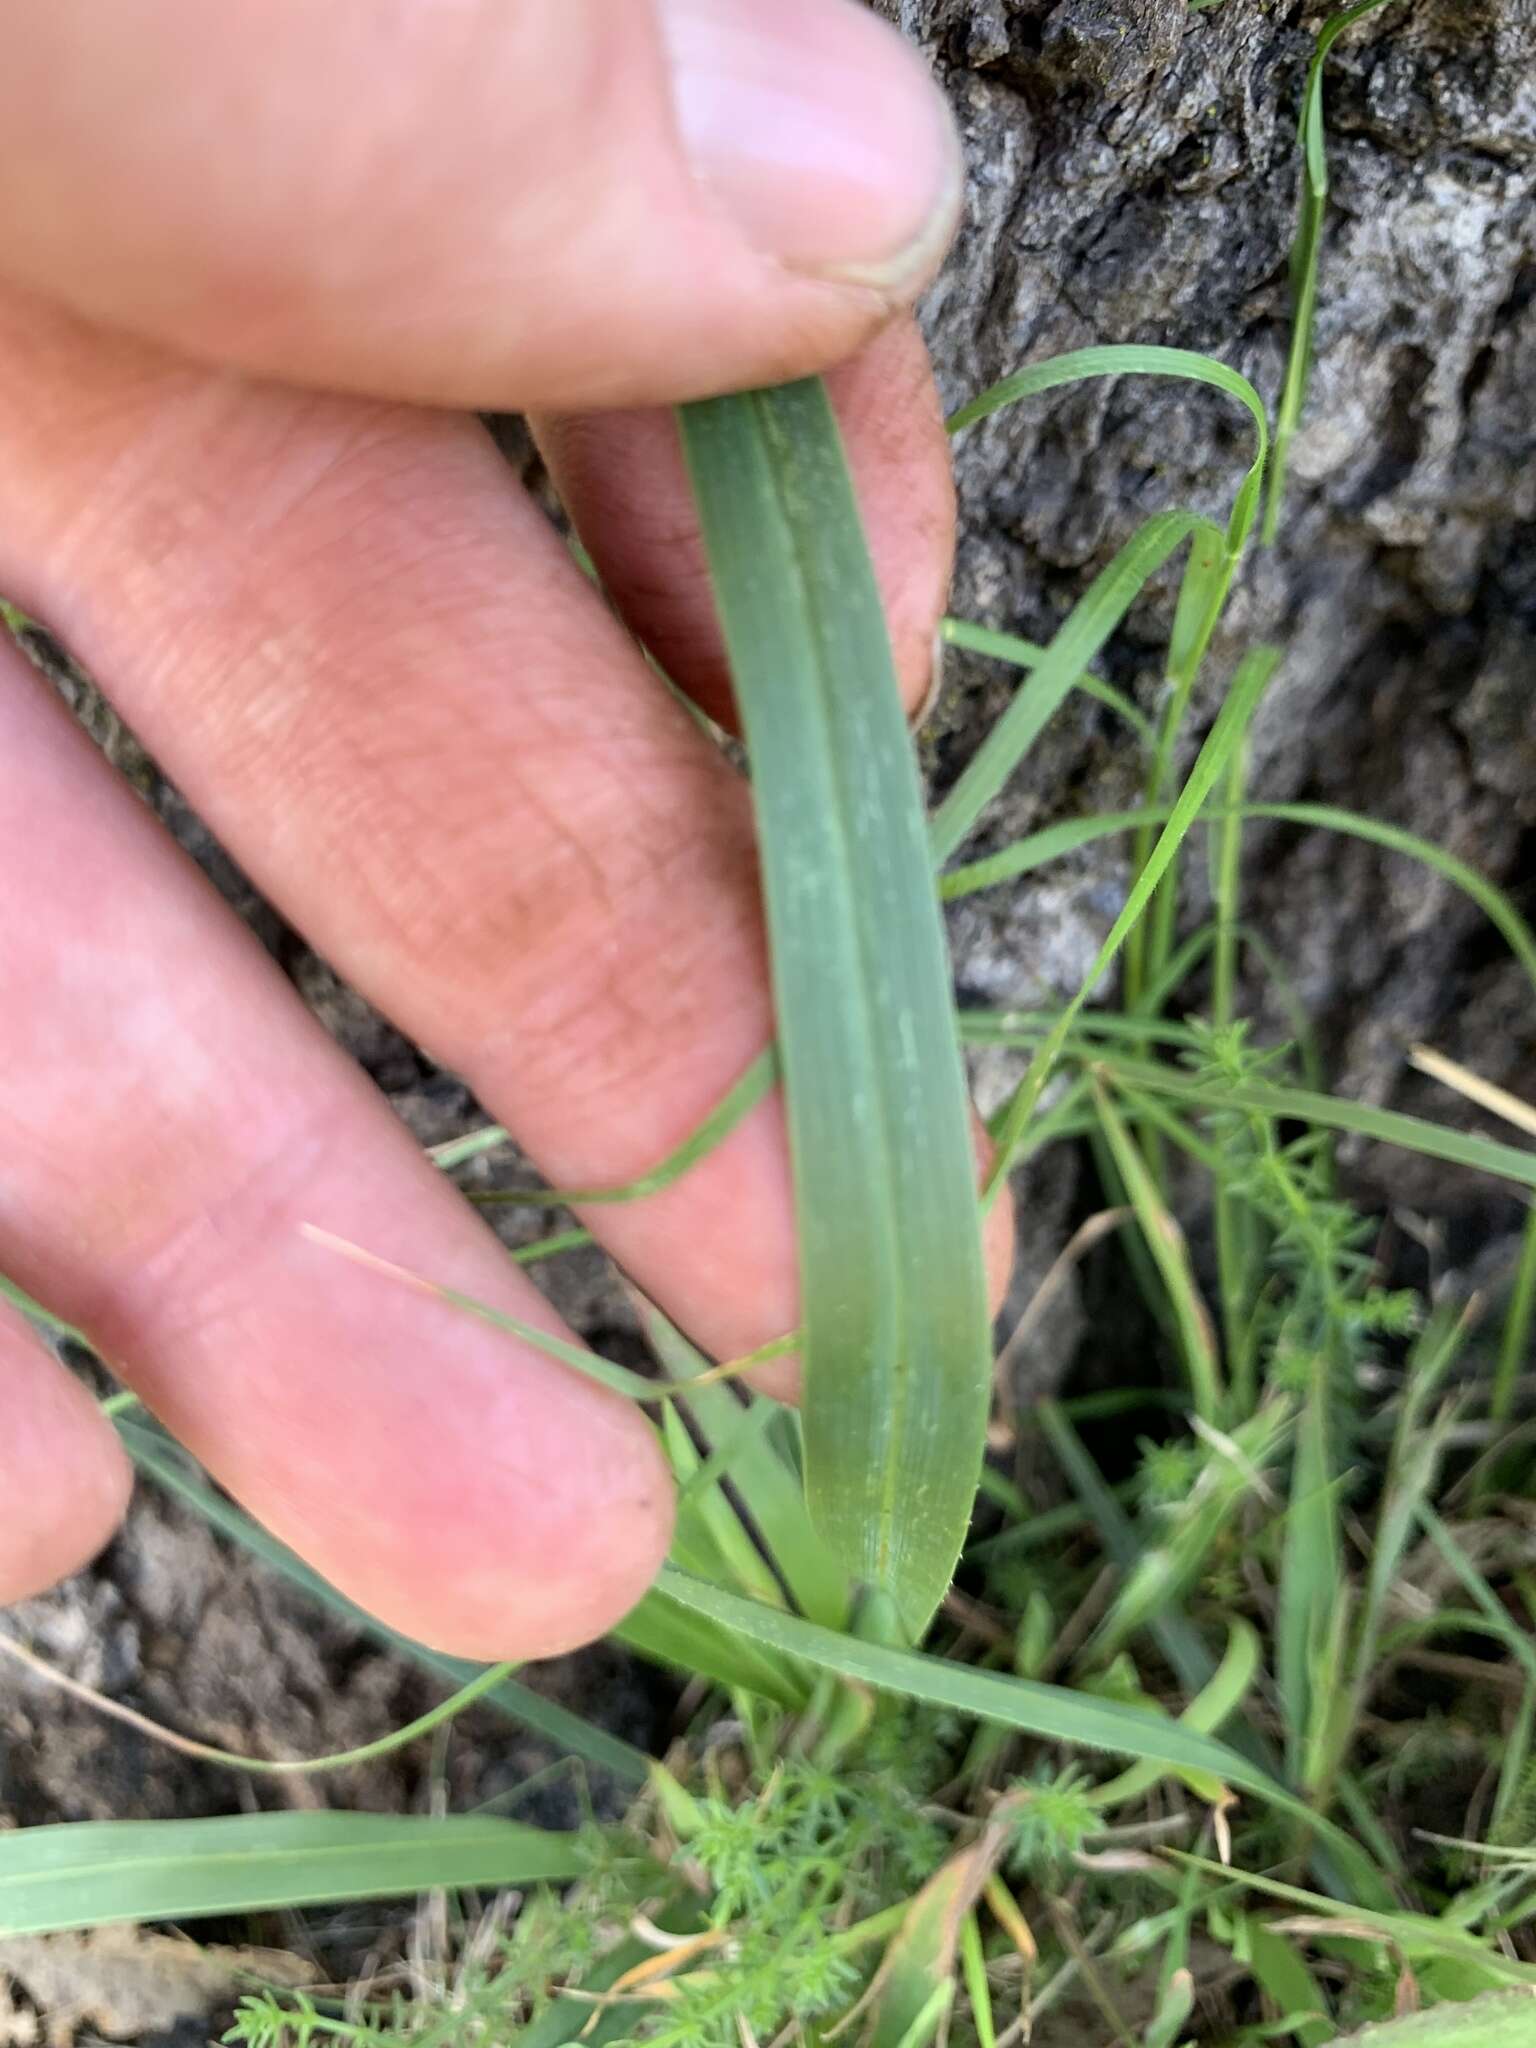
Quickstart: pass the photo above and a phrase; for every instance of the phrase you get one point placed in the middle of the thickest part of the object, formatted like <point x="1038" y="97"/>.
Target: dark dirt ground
<point x="1132" y="180"/>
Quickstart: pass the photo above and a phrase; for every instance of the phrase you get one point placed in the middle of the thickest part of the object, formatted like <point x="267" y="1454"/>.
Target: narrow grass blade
<point x="688" y="1639"/>
<point x="1079" y="1719"/>
<point x="1515" y="1338"/>
<point x="755" y="1085"/>
<point x="769" y="1489"/>
<point x="1165" y="1241"/>
<point x="896" y="1337"/>
<point x="1519" y="1644"/>
<point x="1027" y="655"/>
<point x="1311" y="1581"/>
<point x="1495" y="905"/>
<point x="1304" y="1105"/>
<point x="1232" y="1219"/>
<point x="1412" y="1934"/>
<point x="1418" y="1447"/>
<point x="1053" y="842"/>
<point x="1076" y="644"/>
<point x="41" y="1318"/>
<point x="86" y="1873"/>
<point x="1040" y="847"/>
<point x="468" y="1695"/>
<point x="1242" y="700"/>
<point x="1213" y="1705"/>
<point x="739" y="1562"/>
<point x="973" y="1968"/>
<point x="1135" y="360"/>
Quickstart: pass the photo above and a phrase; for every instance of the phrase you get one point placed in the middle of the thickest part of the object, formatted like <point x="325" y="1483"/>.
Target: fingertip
<point x="63" y="1473"/>
<point x="476" y="1584"/>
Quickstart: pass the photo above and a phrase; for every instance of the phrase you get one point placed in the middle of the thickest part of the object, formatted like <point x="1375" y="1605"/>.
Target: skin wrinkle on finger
<point x="375" y="790"/>
<point x="463" y="1486"/>
<point x="489" y="589"/>
<point x="420" y="650"/>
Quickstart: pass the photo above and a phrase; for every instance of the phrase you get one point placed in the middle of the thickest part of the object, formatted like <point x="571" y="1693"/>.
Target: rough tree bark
<point x="1133" y="178"/>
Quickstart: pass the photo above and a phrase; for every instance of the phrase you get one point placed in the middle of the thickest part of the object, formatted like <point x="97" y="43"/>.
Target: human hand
<point x="250" y="259"/>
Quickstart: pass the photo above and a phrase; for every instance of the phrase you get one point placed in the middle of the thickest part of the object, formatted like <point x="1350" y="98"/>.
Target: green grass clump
<point x="1224" y="1733"/>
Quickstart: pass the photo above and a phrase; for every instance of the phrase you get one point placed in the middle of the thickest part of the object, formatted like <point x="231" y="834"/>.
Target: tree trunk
<point x="1133" y="177"/>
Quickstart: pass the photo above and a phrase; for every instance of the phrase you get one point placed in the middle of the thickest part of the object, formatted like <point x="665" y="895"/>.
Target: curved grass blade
<point x="84" y="1873"/>
<point x="755" y="1085"/>
<point x="1053" y="1712"/>
<point x="1217" y="1701"/>
<point x="475" y="1689"/>
<point x="1081" y="1720"/>
<point x="1134" y="360"/>
<point x="896" y="1339"/>
<point x="1027" y="654"/>
<point x="1495" y="905"/>
<point x="1364" y="1119"/>
<point x="1056" y="840"/>
<point x="1414" y="1935"/>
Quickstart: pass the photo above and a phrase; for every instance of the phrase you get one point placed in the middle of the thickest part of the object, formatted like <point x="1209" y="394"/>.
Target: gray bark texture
<point x="1133" y="178"/>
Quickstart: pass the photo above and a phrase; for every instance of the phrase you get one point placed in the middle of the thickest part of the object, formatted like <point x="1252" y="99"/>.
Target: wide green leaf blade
<point x="84" y="1873"/>
<point x="1054" y="1712"/>
<point x="896" y="1337"/>
<point x="699" y="1646"/>
<point x="1504" y="2019"/>
<point x="1051" y="1711"/>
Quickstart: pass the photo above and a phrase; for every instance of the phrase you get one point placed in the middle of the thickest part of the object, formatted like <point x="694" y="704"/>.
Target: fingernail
<point x="819" y="131"/>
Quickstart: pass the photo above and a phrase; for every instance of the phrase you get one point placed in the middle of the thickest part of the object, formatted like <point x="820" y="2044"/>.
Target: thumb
<point x="498" y="203"/>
